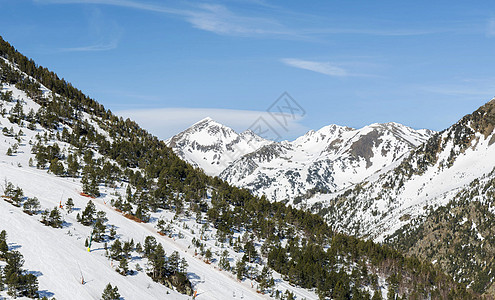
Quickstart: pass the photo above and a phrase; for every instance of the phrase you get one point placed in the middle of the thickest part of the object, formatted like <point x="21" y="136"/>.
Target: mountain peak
<point x="212" y="145"/>
<point x="205" y="120"/>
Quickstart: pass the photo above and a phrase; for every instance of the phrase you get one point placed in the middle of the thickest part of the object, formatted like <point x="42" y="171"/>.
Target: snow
<point x="213" y="146"/>
<point x="323" y="158"/>
<point x="58" y="256"/>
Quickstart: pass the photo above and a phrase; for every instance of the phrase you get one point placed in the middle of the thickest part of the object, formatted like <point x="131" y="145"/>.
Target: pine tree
<point x="55" y="218"/>
<point x="157" y="262"/>
<point x="72" y="165"/>
<point x="13" y="272"/>
<point x="69" y="205"/>
<point x="240" y="269"/>
<point x="183" y="266"/>
<point x="116" y="250"/>
<point x="30" y="285"/>
<point x="110" y="293"/>
<point x="224" y="261"/>
<point x="32" y="205"/>
<point x="208" y="255"/>
<point x="56" y="167"/>
<point x="123" y="266"/>
<point x="88" y="215"/>
<point x="4" y="249"/>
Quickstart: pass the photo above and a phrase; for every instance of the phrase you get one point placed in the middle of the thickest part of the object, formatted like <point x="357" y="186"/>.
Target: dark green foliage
<point x="110" y="293"/>
<point x="116" y="250"/>
<point x="52" y="218"/>
<point x="19" y="283"/>
<point x="90" y="182"/>
<point x="14" y="193"/>
<point x="31" y="205"/>
<point x="164" y="181"/>
<point x="165" y="269"/>
<point x="88" y="215"/>
<point x="123" y="266"/>
<point x="69" y="205"/>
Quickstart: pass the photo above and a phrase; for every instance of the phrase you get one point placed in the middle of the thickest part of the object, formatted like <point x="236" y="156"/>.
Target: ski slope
<point x="58" y="256"/>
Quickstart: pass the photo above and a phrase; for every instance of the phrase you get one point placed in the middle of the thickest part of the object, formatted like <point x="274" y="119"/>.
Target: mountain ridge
<point x="314" y="161"/>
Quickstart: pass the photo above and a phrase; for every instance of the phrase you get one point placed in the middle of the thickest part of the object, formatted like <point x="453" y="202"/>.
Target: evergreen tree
<point x="123" y="266"/>
<point x="69" y="205"/>
<point x="88" y="215"/>
<point x="208" y="255"/>
<point x="224" y="262"/>
<point x="13" y="272"/>
<point x="240" y="269"/>
<point x="110" y="293"/>
<point x="116" y="250"/>
<point x="149" y="245"/>
<point x="56" y="218"/>
<point x="32" y="205"/>
<point x="72" y="165"/>
<point x="157" y="263"/>
<point x="56" y="167"/>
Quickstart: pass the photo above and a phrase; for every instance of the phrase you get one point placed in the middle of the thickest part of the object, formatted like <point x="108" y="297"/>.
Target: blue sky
<point x="168" y="64"/>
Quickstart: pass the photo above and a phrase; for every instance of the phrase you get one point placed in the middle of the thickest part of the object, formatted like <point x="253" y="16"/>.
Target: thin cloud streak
<point x="223" y="21"/>
<point x="105" y="34"/>
<point x="315" y="66"/>
<point x="213" y="18"/>
<point x="490" y="28"/>
<point x="106" y="46"/>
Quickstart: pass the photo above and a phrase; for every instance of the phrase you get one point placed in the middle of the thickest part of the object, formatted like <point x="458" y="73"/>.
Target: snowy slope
<point x="213" y="146"/>
<point x="58" y="257"/>
<point x="429" y="177"/>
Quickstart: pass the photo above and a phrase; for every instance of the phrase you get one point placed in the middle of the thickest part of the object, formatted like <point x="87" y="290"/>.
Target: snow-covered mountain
<point x="89" y="199"/>
<point x="428" y="177"/>
<point x="213" y="146"/>
<point x="437" y="203"/>
<point x="58" y="255"/>
<point x="326" y="160"/>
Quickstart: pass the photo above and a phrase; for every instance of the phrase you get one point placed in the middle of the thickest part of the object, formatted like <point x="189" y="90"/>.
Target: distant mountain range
<point x="327" y="160"/>
<point x="431" y="195"/>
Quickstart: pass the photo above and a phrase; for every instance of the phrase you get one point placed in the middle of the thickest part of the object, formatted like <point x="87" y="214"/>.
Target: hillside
<point x="73" y="172"/>
<point x="436" y="203"/>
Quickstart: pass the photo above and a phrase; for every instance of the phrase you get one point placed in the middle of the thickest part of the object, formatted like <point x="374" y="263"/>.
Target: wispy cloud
<point x="466" y="87"/>
<point x="104" y="34"/>
<point x="209" y="17"/>
<point x="166" y="122"/>
<point x="326" y="68"/>
<point x="490" y="27"/>
<point x="221" y="20"/>
<point x="103" y="46"/>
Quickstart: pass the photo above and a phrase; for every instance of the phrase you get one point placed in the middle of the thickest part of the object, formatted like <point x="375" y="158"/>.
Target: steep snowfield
<point x="213" y="146"/>
<point x="58" y="257"/>
<point x="58" y="253"/>
<point x="390" y="199"/>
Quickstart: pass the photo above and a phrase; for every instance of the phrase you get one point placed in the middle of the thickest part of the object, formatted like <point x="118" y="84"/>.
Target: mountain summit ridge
<point x="328" y="159"/>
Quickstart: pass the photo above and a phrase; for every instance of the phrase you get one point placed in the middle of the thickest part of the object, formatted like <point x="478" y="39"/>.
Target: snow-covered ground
<point x="59" y="258"/>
